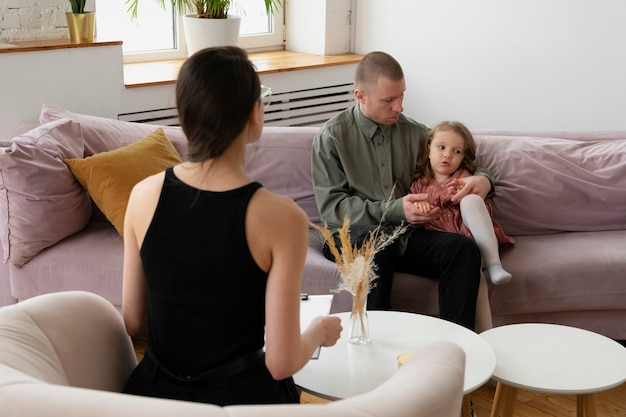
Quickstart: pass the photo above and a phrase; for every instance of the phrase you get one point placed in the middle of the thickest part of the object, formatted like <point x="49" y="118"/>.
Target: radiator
<point x="310" y="107"/>
<point x="307" y="107"/>
<point x="167" y="116"/>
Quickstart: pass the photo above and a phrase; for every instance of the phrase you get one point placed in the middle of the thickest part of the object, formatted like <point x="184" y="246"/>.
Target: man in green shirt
<point x="363" y="161"/>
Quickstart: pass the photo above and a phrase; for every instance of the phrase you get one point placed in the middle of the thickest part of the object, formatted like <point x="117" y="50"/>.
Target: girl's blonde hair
<point x="422" y="165"/>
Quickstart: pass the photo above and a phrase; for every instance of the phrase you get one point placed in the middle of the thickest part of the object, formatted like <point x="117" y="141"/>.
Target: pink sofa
<point x="560" y="194"/>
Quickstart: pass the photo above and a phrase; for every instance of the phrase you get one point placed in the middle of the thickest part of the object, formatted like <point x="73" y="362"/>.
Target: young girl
<point x="448" y="157"/>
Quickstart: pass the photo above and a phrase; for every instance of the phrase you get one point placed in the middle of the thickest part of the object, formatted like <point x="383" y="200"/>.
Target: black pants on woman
<point x="451" y="258"/>
<point x="254" y="385"/>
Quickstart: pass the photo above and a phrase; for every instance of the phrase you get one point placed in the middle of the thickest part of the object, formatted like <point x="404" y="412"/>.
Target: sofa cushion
<point x="546" y="278"/>
<point x="546" y="185"/>
<point x="41" y="202"/>
<point x="102" y="134"/>
<point x="281" y="161"/>
<point x="90" y="260"/>
<point x="109" y="177"/>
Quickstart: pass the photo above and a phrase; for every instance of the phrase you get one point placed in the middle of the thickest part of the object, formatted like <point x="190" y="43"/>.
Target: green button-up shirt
<point x="356" y="164"/>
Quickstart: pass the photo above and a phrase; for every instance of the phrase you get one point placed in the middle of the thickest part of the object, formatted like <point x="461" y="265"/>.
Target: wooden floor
<point x="611" y="403"/>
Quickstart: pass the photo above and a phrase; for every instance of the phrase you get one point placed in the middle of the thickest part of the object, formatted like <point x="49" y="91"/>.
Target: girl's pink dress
<point x="449" y="217"/>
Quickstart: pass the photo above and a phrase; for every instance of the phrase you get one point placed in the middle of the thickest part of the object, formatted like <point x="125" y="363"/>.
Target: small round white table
<point x="346" y="369"/>
<point x="555" y="359"/>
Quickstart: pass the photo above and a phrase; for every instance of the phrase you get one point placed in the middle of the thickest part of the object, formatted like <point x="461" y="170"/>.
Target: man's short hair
<point x="374" y="65"/>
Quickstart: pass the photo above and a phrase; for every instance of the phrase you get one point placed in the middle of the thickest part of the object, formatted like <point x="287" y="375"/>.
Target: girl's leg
<point x="477" y="219"/>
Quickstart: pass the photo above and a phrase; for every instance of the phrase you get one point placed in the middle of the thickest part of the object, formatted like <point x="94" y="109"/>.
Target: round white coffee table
<point x="346" y="369"/>
<point x="554" y="359"/>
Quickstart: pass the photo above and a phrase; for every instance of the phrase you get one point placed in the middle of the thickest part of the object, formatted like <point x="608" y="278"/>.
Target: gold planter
<point x="81" y="26"/>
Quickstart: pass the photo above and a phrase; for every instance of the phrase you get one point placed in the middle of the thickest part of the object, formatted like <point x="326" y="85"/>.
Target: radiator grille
<point x="167" y="116"/>
<point x="308" y="107"/>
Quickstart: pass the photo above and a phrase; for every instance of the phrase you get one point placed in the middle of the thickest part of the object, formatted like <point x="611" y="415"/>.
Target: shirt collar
<point x="368" y="127"/>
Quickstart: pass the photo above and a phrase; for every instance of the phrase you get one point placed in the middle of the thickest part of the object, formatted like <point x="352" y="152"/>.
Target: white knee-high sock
<point x="477" y="219"/>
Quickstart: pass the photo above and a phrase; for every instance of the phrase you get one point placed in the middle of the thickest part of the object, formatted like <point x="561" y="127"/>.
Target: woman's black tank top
<point x="206" y="293"/>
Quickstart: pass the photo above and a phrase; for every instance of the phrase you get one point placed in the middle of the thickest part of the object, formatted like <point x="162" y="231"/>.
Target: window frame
<point x="252" y="43"/>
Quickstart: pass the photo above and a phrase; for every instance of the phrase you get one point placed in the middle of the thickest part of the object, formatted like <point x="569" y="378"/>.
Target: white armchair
<point x="67" y="354"/>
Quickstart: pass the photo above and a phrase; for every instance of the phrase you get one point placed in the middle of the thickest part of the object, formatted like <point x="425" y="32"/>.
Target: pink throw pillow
<point x="41" y="202"/>
<point x="547" y="185"/>
<point x="102" y="134"/>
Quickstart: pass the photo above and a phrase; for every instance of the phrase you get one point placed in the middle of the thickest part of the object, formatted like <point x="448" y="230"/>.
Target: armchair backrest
<point x="68" y="338"/>
<point x="55" y="345"/>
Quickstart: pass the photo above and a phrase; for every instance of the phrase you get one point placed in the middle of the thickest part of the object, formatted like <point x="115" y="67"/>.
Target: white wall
<point x="494" y="64"/>
<point x="83" y="80"/>
<point x="505" y="64"/>
<point x="330" y="22"/>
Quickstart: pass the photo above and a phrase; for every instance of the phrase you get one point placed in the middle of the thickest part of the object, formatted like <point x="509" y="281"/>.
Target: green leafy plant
<point x="208" y="9"/>
<point x="78" y="6"/>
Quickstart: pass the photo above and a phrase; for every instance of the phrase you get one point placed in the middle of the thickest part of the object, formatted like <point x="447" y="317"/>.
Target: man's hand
<point x="476" y="184"/>
<point x="417" y="210"/>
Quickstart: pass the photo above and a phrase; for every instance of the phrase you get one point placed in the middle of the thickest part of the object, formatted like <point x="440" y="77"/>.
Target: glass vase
<point x="359" y="327"/>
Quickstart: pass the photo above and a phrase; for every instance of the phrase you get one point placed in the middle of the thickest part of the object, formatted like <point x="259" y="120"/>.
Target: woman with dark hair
<point x="207" y="278"/>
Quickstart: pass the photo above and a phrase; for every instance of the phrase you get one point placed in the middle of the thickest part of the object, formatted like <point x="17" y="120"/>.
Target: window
<point x="158" y="34"/>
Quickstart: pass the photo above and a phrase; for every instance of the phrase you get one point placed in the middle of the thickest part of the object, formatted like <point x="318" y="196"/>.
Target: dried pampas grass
<point x="356" y="264"/>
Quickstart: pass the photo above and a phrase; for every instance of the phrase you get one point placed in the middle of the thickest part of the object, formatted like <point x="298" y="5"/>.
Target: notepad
<point x="313" y="306"/>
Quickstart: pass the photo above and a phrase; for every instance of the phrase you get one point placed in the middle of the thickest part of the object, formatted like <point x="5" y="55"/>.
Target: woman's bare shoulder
<point x="277" y="208"/>
<point x="147" y="190"/>
<point x="152" y="181"/>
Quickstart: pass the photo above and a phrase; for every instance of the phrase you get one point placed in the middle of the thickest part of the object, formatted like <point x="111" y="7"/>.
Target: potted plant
<point x="210" y="24"/>
<point x="78" y="6"/>
<point x="81" y="24"/>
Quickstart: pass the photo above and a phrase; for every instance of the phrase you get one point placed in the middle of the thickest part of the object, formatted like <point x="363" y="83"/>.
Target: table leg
<point x="466" y="409"/>
<point x="505" y="397"/>
<point x="586" y="405"/>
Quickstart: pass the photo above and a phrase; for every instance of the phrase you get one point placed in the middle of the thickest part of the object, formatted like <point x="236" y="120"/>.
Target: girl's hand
<point x="412" y="211"/>
<point x="423" y="206"/>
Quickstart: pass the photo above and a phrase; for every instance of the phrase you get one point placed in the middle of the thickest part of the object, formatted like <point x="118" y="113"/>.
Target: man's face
<point x="383" y="102"/>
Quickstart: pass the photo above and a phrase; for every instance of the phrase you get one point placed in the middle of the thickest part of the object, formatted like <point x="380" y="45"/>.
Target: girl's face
<point x="446" y="152"/>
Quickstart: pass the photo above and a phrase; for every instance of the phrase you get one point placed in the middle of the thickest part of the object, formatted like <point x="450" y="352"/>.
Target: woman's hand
<point x="330" y="327"/>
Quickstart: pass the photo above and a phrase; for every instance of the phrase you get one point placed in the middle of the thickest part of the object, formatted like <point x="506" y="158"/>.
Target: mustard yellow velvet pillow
<point x="110" y="176"/>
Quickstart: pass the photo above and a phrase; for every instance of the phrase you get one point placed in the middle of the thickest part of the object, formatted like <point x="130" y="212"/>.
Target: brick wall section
<point x="26" y="20"/>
